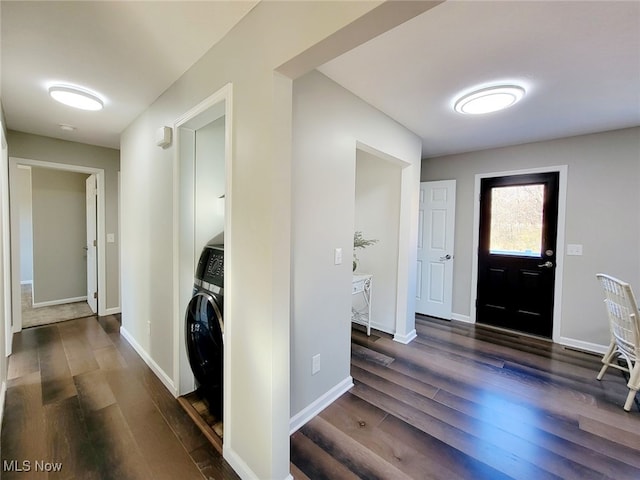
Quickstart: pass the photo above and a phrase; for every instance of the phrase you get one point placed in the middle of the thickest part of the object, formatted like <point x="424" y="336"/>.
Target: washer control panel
<point x="211" y="267"/>
<point x="215" y="267"/>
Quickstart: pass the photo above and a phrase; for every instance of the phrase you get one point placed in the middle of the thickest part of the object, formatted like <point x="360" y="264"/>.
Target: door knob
<point x="446" y="257"/>
<point x="547" y="264"/>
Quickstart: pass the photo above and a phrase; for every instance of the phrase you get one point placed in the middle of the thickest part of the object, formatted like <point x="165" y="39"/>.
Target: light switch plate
<point x="574" y="249"/>
<point x="337" y="256"/>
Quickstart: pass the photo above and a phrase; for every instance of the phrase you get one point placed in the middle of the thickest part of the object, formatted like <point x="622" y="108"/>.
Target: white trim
<point x="461" y="318"/>
<point x="581" y="345"/>
<point x="398" y="338"/>
<point x="164" y="378"/>
<point x="15" y="162"/>
<point x="5" y="243"/>
<point x="61" y="301"/>
<point x="240" y="466"/>
<point x="112" y="311"/>
<point x="26" y="282"/>
<point x="560" y="240"/>
<point x="380" y="328"/>
<point x="406" y="339"/>
<point x="299" y="419"/>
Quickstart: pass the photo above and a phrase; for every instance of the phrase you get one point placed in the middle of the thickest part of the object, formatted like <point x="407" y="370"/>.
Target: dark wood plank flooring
<point x="469" y="402"/>
<point x="79" y="396"/>
<point x="460" y="402"/>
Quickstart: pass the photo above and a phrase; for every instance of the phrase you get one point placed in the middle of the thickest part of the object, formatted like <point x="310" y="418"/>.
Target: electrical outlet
<point x="315" y="364"/>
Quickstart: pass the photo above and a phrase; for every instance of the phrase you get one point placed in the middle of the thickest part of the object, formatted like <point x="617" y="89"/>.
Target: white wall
<point x="275" y="39"/>
<point x="23" y="185"/>
<point x="377" y="216"/>
<point x="59" y="235"/>
<point x="329" y="125"/>
<point x="209" y="184"/>
<point x="603" y="194"/>
<point x="257" y="267"/>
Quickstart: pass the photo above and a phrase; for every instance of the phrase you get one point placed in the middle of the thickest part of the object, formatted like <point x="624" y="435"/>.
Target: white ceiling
<point x="580" y="62"/>
<point x="129" y="52"/>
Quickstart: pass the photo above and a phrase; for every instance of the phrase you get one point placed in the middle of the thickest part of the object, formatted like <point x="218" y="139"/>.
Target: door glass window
<point x="516" y="220"/>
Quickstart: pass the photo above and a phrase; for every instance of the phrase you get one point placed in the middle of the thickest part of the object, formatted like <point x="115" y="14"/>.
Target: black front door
<point x="517" y="252"/>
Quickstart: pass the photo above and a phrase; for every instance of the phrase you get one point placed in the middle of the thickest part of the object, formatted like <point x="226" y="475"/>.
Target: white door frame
<point x="405" y="330"/>
<point x="562" y="209"/>
<point x="92" y="244"/>
<point x="6" y="248"/>
<point x="15" y="230"/>
<point x="185" y="255"/>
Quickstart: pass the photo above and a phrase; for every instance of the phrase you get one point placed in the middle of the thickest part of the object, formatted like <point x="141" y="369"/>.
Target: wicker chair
<point x="624" y="324"/>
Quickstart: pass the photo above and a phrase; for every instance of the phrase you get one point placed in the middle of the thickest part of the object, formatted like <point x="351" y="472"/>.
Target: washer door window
<point x="204" y="324"/>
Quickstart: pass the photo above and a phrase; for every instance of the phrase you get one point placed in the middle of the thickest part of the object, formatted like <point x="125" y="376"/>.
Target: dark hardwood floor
<point x="468" y="402"/>
<point x="80" y="399"/>
<point x="459" y="402"/>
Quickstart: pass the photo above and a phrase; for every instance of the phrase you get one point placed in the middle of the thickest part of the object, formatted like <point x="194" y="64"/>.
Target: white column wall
<point x="330" y="124"/>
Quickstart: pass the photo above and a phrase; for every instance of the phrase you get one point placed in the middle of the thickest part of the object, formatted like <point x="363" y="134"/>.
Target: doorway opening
<point x="383" y="188"/>
<point x="518" y="272"/>
<point x="202" y="196"/>
<point x="377" y="217"/>
<point x="53" y="264"/>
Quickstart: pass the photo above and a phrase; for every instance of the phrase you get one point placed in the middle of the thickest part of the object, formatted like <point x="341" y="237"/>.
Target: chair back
<point x="624" y="319"/>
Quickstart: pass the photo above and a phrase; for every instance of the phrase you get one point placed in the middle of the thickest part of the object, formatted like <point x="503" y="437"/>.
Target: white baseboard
<point x="581" y="345"/>
<point x="237" y="463"/>
<point x="568" y="342"/>
<point x="112" y="311"/>
<point x="240" y="466"/>
<point x="461" y="318"/>
<point x="62" y="301"/>
<point x="306" y="414"/>
<point x="380" y="328"/>
<point x="164" y="378"/>
<point x="405" y="339"/>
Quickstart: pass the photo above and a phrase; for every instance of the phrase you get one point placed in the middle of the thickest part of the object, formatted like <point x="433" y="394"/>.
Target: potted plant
<point x="360" y="242"/>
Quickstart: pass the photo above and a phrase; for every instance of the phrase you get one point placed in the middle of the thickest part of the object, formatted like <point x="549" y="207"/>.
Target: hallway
<point x="81" y="401"/>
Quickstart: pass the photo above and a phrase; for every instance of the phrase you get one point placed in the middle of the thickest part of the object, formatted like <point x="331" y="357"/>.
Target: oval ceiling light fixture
<point x="490" y="99"/>
<point x="76" y="97"/>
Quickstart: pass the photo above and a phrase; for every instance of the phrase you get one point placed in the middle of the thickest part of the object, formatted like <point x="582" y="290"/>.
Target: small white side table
<point x="361" y="286"/>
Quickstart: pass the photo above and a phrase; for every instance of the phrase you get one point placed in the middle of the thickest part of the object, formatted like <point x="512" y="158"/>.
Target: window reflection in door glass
<point x="516" y="220"/>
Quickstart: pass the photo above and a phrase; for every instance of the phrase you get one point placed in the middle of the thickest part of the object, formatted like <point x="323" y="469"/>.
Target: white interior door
<point x="92" y="268"/>
<point x="434" y="288"/>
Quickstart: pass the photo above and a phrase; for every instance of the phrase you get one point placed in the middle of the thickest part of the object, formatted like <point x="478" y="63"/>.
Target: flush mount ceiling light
<point x="76" y="97"/>
<point x="487" y="100"/>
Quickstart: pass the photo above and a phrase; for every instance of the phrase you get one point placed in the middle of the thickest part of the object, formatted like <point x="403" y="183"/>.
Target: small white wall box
<point x="163" y="136"/>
